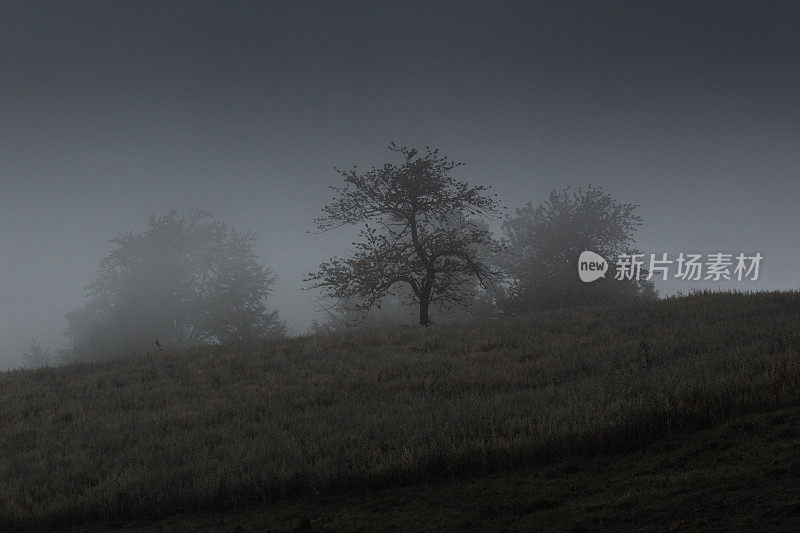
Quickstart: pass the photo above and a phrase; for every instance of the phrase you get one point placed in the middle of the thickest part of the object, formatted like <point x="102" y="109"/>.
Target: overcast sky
<point x="113" y="111"/>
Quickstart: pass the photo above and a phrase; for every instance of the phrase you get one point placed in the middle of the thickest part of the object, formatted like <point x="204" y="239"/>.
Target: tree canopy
<point x="185" y="280"/>
<point x="419" y="227"/>
<point x="544" y="243"/>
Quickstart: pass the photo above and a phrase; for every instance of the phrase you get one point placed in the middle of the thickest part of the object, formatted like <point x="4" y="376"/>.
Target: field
<point x="454" y="412"/>
<point x="739" y="474"/>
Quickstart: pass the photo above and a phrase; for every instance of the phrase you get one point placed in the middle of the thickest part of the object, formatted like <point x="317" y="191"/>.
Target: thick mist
<point x="113" y="112"/>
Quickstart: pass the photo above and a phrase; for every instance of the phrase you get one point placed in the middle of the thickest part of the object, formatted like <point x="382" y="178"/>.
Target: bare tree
<point x="420" y="227"/>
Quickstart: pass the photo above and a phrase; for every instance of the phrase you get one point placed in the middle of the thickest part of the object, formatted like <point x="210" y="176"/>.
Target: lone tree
<point x="420" y="227"/>
<point x="544" y="243"/>
<point x="186" y="280"/>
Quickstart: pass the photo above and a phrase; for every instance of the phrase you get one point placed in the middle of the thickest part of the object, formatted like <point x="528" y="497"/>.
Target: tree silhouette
<point x="186" y="280"/>
<point x="544" y="243"/>
<point x="420" y="227"/>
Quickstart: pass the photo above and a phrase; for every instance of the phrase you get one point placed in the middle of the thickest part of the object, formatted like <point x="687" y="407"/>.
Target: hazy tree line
<point x="186" y="280"/>
<point x="425" y="254"/>
<point x="425" y="241"/>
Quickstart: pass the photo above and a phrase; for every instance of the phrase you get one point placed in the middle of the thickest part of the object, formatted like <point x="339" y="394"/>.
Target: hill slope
<point x="740" y="474"/>
<point x="221" y="427"/>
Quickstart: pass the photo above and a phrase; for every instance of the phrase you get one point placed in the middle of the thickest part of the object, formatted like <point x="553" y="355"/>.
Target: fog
<point x="112" y="112"/>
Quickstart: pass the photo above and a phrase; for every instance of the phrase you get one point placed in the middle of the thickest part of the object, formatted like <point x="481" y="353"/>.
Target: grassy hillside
<point x="221" y="427"/>
<point x="740" y="474"/>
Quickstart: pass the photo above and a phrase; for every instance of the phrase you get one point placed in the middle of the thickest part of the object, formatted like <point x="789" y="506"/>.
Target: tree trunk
<point x="424" y="319"/>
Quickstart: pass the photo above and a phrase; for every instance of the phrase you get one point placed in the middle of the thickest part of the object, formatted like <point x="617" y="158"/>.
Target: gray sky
<point x="113" y="111"/>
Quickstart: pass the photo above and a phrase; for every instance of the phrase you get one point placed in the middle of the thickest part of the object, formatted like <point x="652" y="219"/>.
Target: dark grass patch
<point x="665" y="485"/>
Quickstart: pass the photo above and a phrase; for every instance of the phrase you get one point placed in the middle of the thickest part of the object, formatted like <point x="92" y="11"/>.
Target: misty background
<point x="111" y="112"/>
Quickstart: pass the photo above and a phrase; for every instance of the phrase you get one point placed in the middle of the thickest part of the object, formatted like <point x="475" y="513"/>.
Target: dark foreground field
<point x="740" y="474"/>
<point x="672" y="414"/>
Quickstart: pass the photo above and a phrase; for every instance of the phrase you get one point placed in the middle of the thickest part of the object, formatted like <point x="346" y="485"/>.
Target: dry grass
<point x="218" y="427"/>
